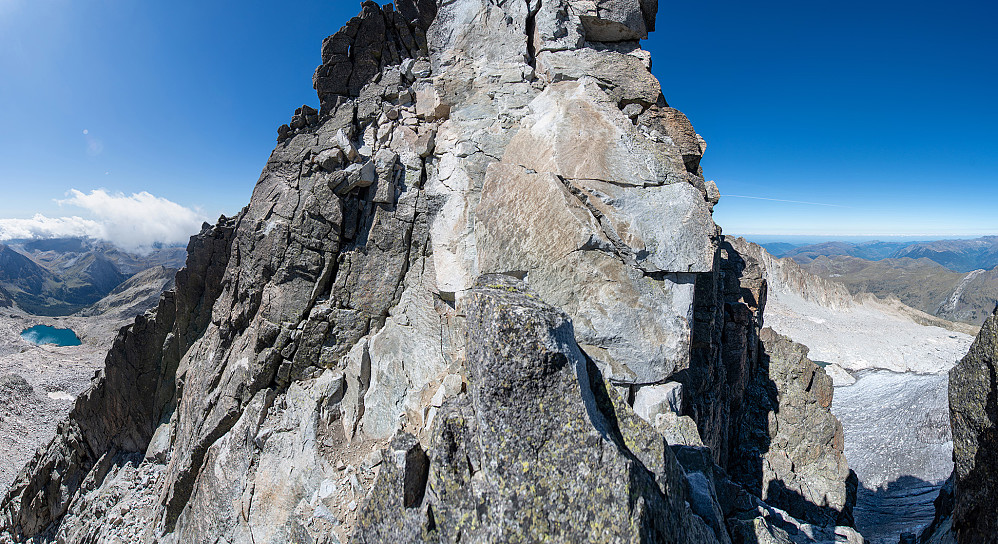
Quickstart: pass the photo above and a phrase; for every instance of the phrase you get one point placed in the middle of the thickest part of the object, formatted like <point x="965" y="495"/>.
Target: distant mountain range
<point x="65" y="275"/>
<point x="953" y="279"/>
<point x="956" y="255"/>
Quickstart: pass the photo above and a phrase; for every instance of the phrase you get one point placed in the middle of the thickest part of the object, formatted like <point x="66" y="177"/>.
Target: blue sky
<point x="872" y="118"/>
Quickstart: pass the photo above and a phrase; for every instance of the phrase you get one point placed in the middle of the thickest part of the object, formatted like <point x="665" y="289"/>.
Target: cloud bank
<point x="137" y="222"/>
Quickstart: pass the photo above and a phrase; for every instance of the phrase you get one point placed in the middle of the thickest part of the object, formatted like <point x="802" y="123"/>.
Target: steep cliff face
<point x="965" y="510"/>
<point x="351" y="358"/>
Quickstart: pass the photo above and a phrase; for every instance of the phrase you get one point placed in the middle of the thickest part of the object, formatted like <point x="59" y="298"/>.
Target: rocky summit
<point x="477" y="296"/>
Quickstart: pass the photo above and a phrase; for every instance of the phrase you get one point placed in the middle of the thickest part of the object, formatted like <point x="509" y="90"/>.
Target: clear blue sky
<point x="882" y="114"/>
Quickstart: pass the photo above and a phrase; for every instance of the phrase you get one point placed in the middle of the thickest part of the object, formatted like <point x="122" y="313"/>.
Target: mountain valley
<point x="930" y="276"/>
<point x="54" y="277"/>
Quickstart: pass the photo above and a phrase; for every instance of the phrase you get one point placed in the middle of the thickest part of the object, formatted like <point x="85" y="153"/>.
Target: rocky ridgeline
<point x="478" y="295"/>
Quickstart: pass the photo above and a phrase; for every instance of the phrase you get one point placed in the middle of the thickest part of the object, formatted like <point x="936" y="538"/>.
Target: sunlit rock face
<point x="477" y="295"/>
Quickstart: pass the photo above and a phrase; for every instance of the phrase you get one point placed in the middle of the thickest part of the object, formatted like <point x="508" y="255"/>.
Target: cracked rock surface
<point x="477" y="295"/>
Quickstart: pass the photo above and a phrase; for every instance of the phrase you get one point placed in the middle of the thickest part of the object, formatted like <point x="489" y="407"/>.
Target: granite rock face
<point x="477" y="295"/>
<point x="965" y="509"/>
<point x="530" y="455"/>
<point x="787" y="426"/>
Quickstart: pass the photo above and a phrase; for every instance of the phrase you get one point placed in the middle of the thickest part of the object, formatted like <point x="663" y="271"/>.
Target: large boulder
<point x="536" y="452"/>
<point x="637" y="325"/>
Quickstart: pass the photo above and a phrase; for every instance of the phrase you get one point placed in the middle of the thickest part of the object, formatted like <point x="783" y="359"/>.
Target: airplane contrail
<point x="791" y="201"/>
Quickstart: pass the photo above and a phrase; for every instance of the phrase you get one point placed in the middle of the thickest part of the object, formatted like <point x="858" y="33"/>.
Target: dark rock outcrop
<point x="724" y="354"/>
<point x="377" y="38"/>
<point x="965" y="512"/>
<point x="973" y="394"/>
<point x="789" y="445"/>
<point x="536" y="452"/>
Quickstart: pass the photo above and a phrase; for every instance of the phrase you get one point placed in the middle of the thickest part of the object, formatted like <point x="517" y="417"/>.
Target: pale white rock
<point x="452" y="385"/>
<point x="345" y="145"/>
<point x="357" y="379"/>
<point x="405" y="354"/>
<point x="652" y="400"/>
<point x="839" y="375"/>
<point x="326" y="489"/>
<point x="453" y="241"/>
<point x="576" y="131"/>
<point x="636" y="326"/>
<point x="429" y="105"/>
<point x="678" y="430"/>
<point x="159" y="445"/>
<point x="666" y="228"/>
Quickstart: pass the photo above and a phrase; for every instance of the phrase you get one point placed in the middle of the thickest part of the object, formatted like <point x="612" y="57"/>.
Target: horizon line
<point x="975" y="235"/>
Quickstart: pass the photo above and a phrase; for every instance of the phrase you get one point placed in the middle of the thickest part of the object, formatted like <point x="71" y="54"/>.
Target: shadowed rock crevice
<point x="904" y="505"/>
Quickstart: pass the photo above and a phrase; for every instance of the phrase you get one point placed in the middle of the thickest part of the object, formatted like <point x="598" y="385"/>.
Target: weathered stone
<point x="576" y="131"/>
<point x="653" y="400"/>
<point x="672" y="123"/>
<point x="615" y="20"/>
<point x="626" y="78"/>
<point x="429" y="104"/>
<point x="678" y="430"/>
<point x="525" y="369"/>
<point x="373" y="41"/>
<point x="330" y="159"/>
<point x="662" y="229"/>
<point x="531" y="224"/>
<point x="973" y="389"/>
<point x="789" y="428"/>
<point x="358" y="379"/>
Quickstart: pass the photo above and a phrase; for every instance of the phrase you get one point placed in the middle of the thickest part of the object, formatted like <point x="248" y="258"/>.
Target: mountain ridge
<point x="958" y="255"/>
<point x="473" y="282"/>
<point x="57" y="277"/>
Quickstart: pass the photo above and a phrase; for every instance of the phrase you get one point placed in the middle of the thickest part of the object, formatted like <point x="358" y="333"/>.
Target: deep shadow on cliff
<point x="904" y="505"/>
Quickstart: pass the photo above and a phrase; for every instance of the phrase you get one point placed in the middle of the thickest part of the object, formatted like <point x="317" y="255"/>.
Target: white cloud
<point x="40" y="226"/>
<point x="135" y="222"/>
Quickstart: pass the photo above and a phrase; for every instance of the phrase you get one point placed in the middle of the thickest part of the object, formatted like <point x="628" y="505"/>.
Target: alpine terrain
<point x="478" y="295"/>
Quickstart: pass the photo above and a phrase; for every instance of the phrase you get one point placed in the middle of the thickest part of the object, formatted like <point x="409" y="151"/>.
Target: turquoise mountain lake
<point x="44" y="334"/>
